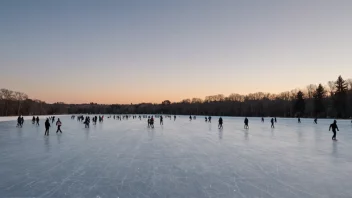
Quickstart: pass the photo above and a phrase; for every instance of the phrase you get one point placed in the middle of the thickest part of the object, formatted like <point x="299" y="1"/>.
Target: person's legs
<point x="334" y="136"/>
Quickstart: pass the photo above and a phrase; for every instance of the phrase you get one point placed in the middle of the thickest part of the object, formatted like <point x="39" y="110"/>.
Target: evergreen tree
<point x="299" y="105"/>
<point x="319" y="96"/>
<point x="340" y="97"/>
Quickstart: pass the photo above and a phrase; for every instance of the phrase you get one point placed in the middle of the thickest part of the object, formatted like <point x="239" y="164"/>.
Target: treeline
<point x="332" y="100"/>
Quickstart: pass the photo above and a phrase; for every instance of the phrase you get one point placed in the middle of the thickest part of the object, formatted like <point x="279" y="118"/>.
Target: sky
<point x="132" y="51"/>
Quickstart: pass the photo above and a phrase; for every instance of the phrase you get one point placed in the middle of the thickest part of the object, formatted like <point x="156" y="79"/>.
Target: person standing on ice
<point x="58" y="124"/>
<point x="246" y="123"/>
<point x="33" y="120"/>
<point x="190" y="118"/>
<point x="19" y="122"/>
<point x="299" y="120"/>
<point x="86" y="123"/>
<point x="220" y="123"/>
<point x="316" y="120"/>
<point x="161" y="120"/>
<point x="47" y="126"/>
<point x="272" y="123"/>
<point x="275" y="120"/>
<point x="262" y="119"/>
<point x="152" y="122"/>
<point x="209" y="119"/>
<point x="206" y="119"/>
<point x="333" y="126"/>
<point x="37" y="120"/>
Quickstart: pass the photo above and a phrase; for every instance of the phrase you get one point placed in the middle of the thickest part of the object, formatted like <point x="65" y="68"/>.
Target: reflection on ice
<point x="182" y="158"/>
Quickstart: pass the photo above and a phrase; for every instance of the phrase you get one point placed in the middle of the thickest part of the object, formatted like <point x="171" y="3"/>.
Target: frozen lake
<point x="180" y="159"/>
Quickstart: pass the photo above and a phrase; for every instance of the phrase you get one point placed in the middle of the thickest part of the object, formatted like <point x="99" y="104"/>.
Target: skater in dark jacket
<point x="272" y="123"/>
<point x="333" y="126"/>
<point x="47" y="126"/>
<point x="19" y="121"/>
<point x="220" y="123"/>
<point x="246" y="123"/>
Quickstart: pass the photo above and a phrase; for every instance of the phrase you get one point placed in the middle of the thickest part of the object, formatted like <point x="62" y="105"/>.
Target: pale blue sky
<point x="147" y="51"/>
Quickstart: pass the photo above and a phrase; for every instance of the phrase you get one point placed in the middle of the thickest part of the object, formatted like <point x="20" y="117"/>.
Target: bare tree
<point x="235" y="97"/>
<point x="293" y="94"/>
<point x="310" y="90"/>
<point x="187" y="101"/>
<point x="284" y="96"/>
<point x="20" y="97"/>
<point x="349" y="82"/>
<point x="7" y="96"/>
<point x="196" y="100"/>
<point x="331" y="85"/>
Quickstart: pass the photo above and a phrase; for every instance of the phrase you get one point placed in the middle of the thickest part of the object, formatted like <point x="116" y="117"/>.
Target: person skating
<point x="272" y="123"/>
<point x="47" y="126"/>
<point x="275" y="120"/>
<point x="86" y="123"/>
<point x="175" y="118"/>
<point x="37" y="120"/>
<point x="19" y="122"/>
<point x="206" y="119"/>
<point x="246" y="123"/>
<point x="190" y="118"/>
<point x="316" y="120"/>
<point x="58" y="124"/>
<point x="299" y="120"/>
<point x="33" y="120"/>
<point x="161" y="120"/>
<point x="209" y="119"/>
<point x="220" y="123"/>
<point x="333" y="126"/>
<point x="262" y="119"/>
<point x="152" y="122"/>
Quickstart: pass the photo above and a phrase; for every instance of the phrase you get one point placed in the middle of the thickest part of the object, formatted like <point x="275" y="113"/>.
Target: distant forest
<point x="331" y="100"/>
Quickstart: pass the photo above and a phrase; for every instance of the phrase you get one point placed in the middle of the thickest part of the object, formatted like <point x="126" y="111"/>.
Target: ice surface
<point x="180" y="159"/>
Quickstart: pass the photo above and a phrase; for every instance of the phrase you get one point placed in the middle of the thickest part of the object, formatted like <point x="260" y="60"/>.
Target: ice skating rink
<point x="181" y="159"/>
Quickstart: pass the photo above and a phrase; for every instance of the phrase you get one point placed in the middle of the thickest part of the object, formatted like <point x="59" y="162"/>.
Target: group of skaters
<point x="86" y="121"/>
<point x="190" y="118"/>
<point x="332" y="127"/>
<point x="35" y="120"/>
<point x="273" y="120"/>
<point x="95" y="119"/>
<point x="47" y="125"/>
<point x="20" y="121"/>
<point x="151" y="121"/>
<point x="208" y="119"/>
